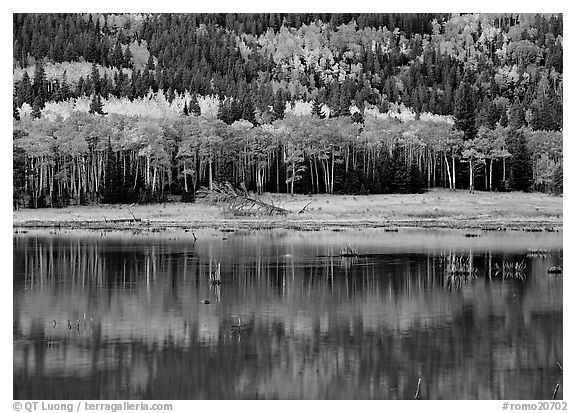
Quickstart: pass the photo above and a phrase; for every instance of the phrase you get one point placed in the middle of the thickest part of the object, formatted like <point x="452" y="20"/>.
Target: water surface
<point x="291" y="320"/>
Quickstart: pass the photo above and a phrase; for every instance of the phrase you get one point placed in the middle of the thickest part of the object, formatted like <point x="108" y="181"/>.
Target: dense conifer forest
<point x="138" y="107"/>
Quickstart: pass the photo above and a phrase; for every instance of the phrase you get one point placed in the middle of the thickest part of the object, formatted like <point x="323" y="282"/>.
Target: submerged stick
<point x="417" y="395"/>
<point x="555" y="391"/>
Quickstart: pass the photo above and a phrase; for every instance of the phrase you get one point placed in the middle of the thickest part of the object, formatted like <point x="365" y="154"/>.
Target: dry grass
<point x="436" y="205"/>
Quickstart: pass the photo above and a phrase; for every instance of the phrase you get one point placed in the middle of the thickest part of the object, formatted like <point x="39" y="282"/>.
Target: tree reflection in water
<point x="291" y="319"/>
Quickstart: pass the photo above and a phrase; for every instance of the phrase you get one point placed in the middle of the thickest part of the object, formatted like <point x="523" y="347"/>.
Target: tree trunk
<point x="448" y="170"/>
<point x="332" y="173"/>
<point x="453" y="173"/>
<point x="293" y="176"/>
<point x="311" y="174"/>
<point x="471" y="186"/>
<point x="491" y="163"/>
<point x="210" y="174"/>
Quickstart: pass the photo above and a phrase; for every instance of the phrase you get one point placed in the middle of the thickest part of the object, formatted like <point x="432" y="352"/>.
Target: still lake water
<point x="291" y="320"/>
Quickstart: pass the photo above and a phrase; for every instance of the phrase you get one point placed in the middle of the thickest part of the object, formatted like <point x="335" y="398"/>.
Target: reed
<point x="514" y="270"/>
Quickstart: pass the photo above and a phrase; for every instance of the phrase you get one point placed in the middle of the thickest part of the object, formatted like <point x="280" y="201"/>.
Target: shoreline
<point x="529" y="225"/>
<point x="433" y="209"/>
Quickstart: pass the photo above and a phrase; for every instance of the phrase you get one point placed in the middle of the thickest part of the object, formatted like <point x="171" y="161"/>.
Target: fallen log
<point x="238" y="200"/>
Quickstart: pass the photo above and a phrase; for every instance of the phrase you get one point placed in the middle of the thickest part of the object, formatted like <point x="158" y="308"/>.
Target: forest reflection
<point x="97" y="318"/>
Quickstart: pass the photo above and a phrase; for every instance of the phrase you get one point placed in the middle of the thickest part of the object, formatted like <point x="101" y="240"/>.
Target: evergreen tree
<point x="464" y="110"/>
<point x="279" y="105"/>
<point x="317" y="108"/>
<point x="558" y="180"/>
<point x="415" y="181"/>
<point x="224" y="111"/>
<point x="64" y="91"/>
<point x="248" y="111"/>
<point x="95" y="76"/>
<point x="521" y="163"/>
<point x="37" y="108"/>
<point x="516" y="119"/>
<point x="194" y="107"/>
<point x="127" y="62"/>
<point x="150" y="63"/>
<point x="39" y="85"/>
<point x="399" y="174"/>
<point x="18" y="172"/>
<point x="96" y="105"/>
<point x="79" y="87"/>
<point x="118" y="56"/>
<point x="357" y="118"/>
<point x="15" y="111"/>
<point x="25" y="92"/>
<point x="170" y="95"/>
<point x="114" y="191"/>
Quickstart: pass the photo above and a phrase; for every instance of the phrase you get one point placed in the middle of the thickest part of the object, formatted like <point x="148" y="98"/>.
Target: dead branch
<point x="238" y="200"/>
<point x="304" y="209"/>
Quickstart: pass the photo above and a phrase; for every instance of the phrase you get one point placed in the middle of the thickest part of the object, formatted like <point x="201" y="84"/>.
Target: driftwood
<point x="304" y="209"/>
<point x="238" y="200"/>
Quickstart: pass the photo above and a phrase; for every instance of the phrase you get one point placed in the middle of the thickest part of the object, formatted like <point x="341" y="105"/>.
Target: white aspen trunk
<point x="332" y="173"/>
<point x="293" y="177"/>
<point x="448" y="169"/>
<point x="453" y="173"/>
<point x="471" y="186"/>
<point x="136" y="174"/>
<point x="210" y="174"/>
<point x="316" y="173"/>
<point x="311" y="174"/>
<point x="491" y="163"/>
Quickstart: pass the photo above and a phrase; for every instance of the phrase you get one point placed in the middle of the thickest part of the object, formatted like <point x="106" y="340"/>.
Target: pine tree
<point x="399" y="173"/>
<point x="113" y="186"/>
<point x="15" y="111"/>
<point x="248" y="111"/>
<point x="64" y="91"/>
<point x="415" y="181"/>
<point x="224" y="111"/>
<point x="150" y="63"/>
<point x="95" y="76"/>
<point x="37" y="108"/>
<point x="117" y="56"/>
<point x="521" y="163"/>
<point x="279" y="105"/>
<point x="170" y="95"/>
<point x="96" y="105"/>
<point x="127" y="62"/>
<point x="516" y="119"/>
<point x="194" y="107"/>
<point x="39" y="85"/>
<point x="317" y="109"/>
<point x="464" y="110"/>
<point x="558" y="180"/>
<point x="25" y="92"/>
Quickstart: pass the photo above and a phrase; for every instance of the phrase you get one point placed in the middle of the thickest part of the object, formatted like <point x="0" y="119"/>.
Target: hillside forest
<point x="123" y="108"/>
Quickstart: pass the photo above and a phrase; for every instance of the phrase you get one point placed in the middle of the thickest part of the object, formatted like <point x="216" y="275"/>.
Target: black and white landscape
<point x="287" y="206"/>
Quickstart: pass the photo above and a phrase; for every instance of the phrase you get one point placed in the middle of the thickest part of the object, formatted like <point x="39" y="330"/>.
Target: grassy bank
<point x="437" y="208"/>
